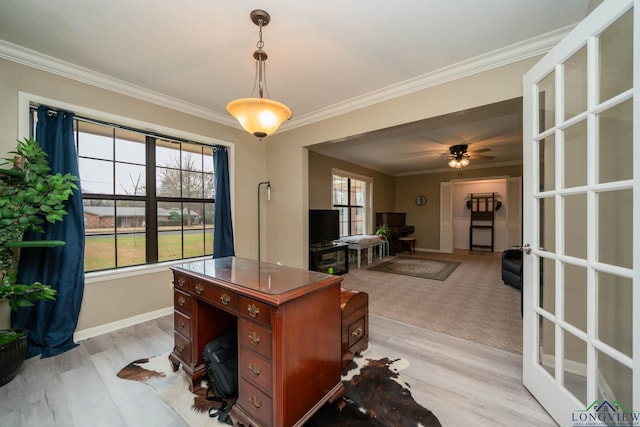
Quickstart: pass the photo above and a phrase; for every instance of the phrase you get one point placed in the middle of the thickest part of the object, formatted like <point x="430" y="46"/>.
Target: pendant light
<point x="259" y="116"/>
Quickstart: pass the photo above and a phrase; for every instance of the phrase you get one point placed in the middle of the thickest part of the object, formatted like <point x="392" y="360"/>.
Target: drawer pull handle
<point x="181" y="282"/>
<point x="254" y="338"/>
<point x="180" y="347"/>
<point x="181" y="300"/>
<point x="358" y="332"/>
<point x="253" y="310"/>
<point x="181" y="324"/>
<point x="199" y="288"/>
<point x="224" y="298"/>
<point x="255" y="370"/>
<point x="255" y="402"/>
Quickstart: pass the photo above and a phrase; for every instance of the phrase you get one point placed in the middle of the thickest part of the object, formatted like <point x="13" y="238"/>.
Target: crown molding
<point x="37" y="60"/>
<point x="514" y="53"/>
<point x="500" y="57"/>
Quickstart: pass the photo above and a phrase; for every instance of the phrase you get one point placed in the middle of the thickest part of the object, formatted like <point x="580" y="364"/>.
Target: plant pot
<point x="12" y="355"/>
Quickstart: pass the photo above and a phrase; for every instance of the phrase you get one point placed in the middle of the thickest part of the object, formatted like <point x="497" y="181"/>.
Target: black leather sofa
<point x="512" y="268"/>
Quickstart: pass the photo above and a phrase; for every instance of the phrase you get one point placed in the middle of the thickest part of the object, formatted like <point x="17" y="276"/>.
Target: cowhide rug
<point x="375" y="394"/>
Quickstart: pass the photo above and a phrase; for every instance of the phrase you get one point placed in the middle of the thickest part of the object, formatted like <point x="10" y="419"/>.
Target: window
<point x="147" y="198"/>
<point x="351" y="198"/>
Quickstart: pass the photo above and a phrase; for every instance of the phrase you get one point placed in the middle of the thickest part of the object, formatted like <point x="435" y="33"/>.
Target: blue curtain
<point x="51" y="323"/>
<point x="223" y="229"/>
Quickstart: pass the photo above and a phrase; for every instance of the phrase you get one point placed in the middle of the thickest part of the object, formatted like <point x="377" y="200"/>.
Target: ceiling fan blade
<point x="481" y="150"/>
<point x="473" y="156"/>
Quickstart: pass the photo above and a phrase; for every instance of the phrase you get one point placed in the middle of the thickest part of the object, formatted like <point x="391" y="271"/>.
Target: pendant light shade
<point x="259" y="116"/>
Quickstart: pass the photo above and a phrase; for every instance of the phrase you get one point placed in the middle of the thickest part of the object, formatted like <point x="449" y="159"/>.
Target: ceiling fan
<point x="459" y="156"/>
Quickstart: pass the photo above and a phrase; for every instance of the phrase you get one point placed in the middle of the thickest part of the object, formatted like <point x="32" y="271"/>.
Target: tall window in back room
<point x="147" y="198"/>
<point x="351" y="196"/>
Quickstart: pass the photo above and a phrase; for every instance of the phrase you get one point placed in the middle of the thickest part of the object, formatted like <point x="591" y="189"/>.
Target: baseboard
<point x="119" y="324"/>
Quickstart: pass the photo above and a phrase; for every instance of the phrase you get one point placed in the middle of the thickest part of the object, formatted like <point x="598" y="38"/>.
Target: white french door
<point x="581" y="200"/>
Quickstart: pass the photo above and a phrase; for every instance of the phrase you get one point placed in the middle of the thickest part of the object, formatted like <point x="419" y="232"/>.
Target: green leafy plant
<point x="383" y="232"/>
<point x="29" y="196"/>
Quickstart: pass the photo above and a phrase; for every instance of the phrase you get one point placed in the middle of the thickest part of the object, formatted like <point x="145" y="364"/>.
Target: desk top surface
<point x="263" y="277"/>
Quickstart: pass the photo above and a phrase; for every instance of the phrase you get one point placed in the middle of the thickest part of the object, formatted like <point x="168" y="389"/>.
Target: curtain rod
<point x="52" y="112"/>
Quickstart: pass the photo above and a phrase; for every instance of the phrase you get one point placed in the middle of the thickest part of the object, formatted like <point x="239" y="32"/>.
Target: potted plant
<point x="383" y="232"/>
<point x="29" y="195"/>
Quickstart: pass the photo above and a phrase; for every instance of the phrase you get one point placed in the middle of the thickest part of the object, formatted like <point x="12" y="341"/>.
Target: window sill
<point x="138" y="270"/>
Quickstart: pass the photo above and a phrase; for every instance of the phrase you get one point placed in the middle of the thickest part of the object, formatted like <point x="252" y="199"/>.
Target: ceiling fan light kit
<point x="259" y="116"/>
<point x="458" y="157"/>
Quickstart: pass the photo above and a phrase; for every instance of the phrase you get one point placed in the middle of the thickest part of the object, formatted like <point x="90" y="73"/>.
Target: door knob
<point x="526" y="248"/>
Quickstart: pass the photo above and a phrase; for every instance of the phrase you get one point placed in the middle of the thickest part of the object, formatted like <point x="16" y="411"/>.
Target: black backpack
<point x="220" y="358"/>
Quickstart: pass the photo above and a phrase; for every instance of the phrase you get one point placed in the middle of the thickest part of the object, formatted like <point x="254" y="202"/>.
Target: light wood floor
<point x="463" y="383"/>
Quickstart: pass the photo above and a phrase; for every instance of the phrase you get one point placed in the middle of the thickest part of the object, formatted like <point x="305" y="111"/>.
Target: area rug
<point x="418" y="267"/>
<point x="375" y="395"/>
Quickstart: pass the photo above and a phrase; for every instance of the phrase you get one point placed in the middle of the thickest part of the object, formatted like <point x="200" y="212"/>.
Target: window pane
<point x="207" y="161"/>
<point x="575" y="155"/>
<point x="130" y="147"/>
<point x="547" y="344"/>
<point x="95" y="141"/>
<point x="548" y="285"/>
<point x="615" y="143"/>
<point x="193" y="230"/>
<point x="616" y="57"/>
<point x="575" y="354"/>
<point x="96" y="176"/>
<point x="547" y="102"/>
<point x="575" y="84"/>
<point x="547" y="164"/>
<point x="615" y="311"/>
<point x="130" y="233"/>
<point x="170" y="223"/>
<point x="575" y="224"/>
<point x="168" y="182"/>
<point x="99" y="226"/>
<point x="130" y="179"/>
<point x="208" y="227"/>
<point x="575" y="296"/>
<point x="167" y="154"/>
<point x="192" y="184"/>
<point x="191" y="157"/>
<point x="547" y="224"/>
<point x="616" y="377"/>
<point x="615" y="223"/>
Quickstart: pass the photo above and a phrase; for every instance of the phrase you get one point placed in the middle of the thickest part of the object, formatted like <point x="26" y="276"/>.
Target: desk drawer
<point x="256" y="402"/>
<point x="254" y="337"/>
<point x="255" y="310"/>
<point x="216" y="296"/>
<point x="182" y="347"/>
<point x="181" y="282"/>
<point x="254" y="368"/>
<point x="182" y="302"/>
<point x="182" y="324"/>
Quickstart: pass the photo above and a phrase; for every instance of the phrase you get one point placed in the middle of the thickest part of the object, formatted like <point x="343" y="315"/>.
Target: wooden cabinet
<point x="288" y="322"/>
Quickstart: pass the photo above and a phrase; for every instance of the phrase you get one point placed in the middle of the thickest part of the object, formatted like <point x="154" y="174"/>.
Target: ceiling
<point x="325" y="58"/>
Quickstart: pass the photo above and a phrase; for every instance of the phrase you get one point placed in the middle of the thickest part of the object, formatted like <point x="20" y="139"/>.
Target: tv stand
<point x="332" y="258"/>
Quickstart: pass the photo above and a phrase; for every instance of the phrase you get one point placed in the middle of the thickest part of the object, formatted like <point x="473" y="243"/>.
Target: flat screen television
<point x="324" y="226"/>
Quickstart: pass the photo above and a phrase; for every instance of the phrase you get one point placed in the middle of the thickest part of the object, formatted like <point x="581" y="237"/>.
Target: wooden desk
<point x="289" y="344"/>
